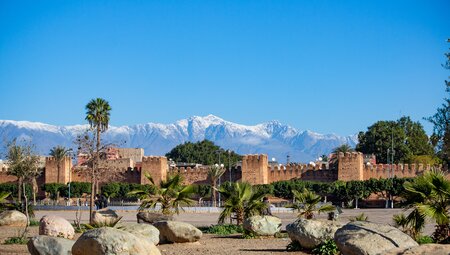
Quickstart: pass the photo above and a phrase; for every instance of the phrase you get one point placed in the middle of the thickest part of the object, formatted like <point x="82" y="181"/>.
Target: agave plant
<point x="170" y="195"/>
<point x="307" y="204"/>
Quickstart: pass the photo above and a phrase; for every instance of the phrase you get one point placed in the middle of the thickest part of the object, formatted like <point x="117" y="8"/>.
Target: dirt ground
<point x="209" y="244"/>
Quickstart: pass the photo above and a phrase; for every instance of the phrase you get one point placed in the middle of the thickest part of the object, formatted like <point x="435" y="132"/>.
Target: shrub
<point x="424" y="240"/>
<point x="16" y="240"/>
<point x="328" y="247"/>
<point x="223" y="230"/>
<point x="360" y="217"/>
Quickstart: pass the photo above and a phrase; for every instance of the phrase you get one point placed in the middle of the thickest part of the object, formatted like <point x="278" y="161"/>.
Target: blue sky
<point x="326" y="66"/>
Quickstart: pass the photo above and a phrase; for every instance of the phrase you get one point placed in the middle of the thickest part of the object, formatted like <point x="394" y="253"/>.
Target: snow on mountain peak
<point x="272" y="138"/>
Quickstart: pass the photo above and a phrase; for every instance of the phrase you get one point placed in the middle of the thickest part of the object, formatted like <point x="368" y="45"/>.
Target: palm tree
<point x="306" y="203"/>
<point x="429" y="196"/>
<point x="214" y="173"/>
<point x="170" y="195"/>
<point x="97" y="114"/>
<point x="412" y="224"/>
<point x="59" y="153"/>
<point x="242" y="200"/>
<point x="343" y="148"/>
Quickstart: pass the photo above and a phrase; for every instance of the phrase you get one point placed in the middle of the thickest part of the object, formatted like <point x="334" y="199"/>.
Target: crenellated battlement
<point x="398" y="170"/>
<point x="153" y="159"/>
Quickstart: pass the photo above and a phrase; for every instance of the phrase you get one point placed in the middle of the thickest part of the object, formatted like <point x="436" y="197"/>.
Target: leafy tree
<point x="111" y="189"/>
<point x="358" y="190"/>
<point x="343" y="148"/>
<point x="170" y="194"/>
<point x="54" y="189"/>
<point x="441" y="121"/>
<point x="241" y="200"/>
<point x="23" y="164"/>
<point x="429" y="196"/>
<point x="59" y="153"/>
<point x="407" y="137"/>
<point x="97" y="114"/>
<point x="214" y="173"/>
<point x="204" y="152"/>
<point x="306" y="203"/>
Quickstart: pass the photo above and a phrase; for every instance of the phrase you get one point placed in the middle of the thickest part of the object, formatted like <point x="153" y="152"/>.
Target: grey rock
<point x="310" y="233"/>
<point x="147" y="231"/>
<point x="13" y="218"/>
<point x="434" y="249"/>
<point x="263" y="225"/>
<point x="111" y="241"/>
<point x="104" y="217"/>
<point x="56" y="226"/>
<point x="177" y="232"/>
<point x="367" y="238"/>
<point x="151" y="217"/>
<point x="49" y="245"/>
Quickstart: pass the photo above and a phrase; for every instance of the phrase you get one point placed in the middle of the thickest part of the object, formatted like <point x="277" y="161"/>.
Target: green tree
<point x="408" y="139"/>
<point x="97" y="114"/>
<point x="204" y="152"/>
<point x="170" y="194"/>
<point x="307" y="203"/>
<point x="241" y="200"/>
<point x="24" y="164"/>
<point x="441" y="121"/>
<point x="429" y="196"/>
<point x="59" y="153"/>
<point x="214" y="173"/>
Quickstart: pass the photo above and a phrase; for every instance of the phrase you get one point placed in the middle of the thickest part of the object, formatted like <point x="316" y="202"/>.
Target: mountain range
<point x="272" y="138"/>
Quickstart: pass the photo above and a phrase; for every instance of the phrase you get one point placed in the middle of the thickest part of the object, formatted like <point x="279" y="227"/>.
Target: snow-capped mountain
<point x="272" y="138"/>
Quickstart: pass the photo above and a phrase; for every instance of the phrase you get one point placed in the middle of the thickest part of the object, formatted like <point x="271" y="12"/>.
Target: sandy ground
<point x="209" y="244"/>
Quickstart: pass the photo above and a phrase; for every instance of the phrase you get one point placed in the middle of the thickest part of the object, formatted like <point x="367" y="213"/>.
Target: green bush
<point x="111" y="189"/>
<point x="16" y="240"/>
<point x="223" y="230"/>
<point x="77" y="189"/>
<point x="53" y="189"/>
<point x="34" y="222"/>
<point x="13" y="189"/>
<point x="424" y="240"/>
<point x="328" y="247"/>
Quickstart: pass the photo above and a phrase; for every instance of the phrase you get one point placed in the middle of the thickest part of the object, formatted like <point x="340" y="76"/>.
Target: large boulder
<point x="13" y="218"/>
<point x="177" y="232"/>
<point x="434" y="249"/>
<point x="51" y="225"/>
<point x="151" y="217"/>
<point x="104" y="217"/>
<point x="367" y="238"/>
<point x="147" y="231"/>
<point x="263" y="225"/>
<point x="310" y="233"/>
<point x="111" y="241"/>
<point x="49" y="245"/>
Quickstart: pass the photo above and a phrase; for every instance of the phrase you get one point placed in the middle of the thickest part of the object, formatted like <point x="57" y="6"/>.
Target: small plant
<point x="223" y="230"/>
<point x="360" y="217"/>
<point x="281" y="235"/>
<point x="248" y="235"/>
<point x="34" y="222"/>
<point x="424" y="240"/>
<point x="294" y="246"/>
<point x="16" y="240"/>
<point x="328" y="247"/>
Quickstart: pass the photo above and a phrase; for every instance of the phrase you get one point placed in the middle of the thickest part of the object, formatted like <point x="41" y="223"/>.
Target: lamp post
<point x="70" y="173"/>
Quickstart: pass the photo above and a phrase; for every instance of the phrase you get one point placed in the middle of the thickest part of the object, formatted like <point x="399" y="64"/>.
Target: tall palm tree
<point x="242" y="200"/>
<point x="306" y="203"/>
<point x="170" y="195"/>
<point x="97" y="114"/>
<point x="214" y="173"/>
<point x="429" y="196"/>
<point x="59" y="153"/>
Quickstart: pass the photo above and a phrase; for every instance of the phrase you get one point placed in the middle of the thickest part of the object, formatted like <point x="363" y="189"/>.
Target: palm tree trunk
<point x="58" y="167"/>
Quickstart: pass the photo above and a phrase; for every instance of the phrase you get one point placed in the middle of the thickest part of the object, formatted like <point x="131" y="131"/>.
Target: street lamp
<point x="229" y="163"/>
<point x="220" y="177"/>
